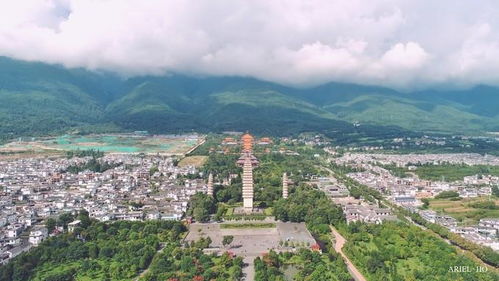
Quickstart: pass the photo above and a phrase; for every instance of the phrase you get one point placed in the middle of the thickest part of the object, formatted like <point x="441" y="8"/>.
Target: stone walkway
<point x="249" y="269"/>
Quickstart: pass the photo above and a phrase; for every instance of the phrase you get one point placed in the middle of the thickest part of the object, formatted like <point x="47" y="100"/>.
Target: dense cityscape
<point x="43" y="194"/>
<point x="249" y="140"/>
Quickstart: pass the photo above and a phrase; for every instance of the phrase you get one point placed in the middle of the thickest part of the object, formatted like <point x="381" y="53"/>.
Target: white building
<point x="37" y="235"/>
<point x="72" y="225"/>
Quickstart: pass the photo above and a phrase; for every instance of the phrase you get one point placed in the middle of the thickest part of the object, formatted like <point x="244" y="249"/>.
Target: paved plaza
<point x="251" y="242"/>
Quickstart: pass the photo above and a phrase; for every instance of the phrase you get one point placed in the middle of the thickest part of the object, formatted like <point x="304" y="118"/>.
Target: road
<point x="338" y="247"/>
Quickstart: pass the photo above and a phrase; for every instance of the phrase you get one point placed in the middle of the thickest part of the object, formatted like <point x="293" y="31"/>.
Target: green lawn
<point x="247" y="225"/>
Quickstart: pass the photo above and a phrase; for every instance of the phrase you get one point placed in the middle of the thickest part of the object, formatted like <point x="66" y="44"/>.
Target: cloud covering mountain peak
<point x="401" y="44"/>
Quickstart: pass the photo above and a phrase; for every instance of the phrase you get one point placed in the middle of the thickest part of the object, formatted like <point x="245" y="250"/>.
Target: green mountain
<point x="37" y="98"/>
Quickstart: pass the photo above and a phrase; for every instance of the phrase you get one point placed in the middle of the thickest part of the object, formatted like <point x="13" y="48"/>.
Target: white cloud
<point x="404" y="56"/>
<point x="400" y="43"/>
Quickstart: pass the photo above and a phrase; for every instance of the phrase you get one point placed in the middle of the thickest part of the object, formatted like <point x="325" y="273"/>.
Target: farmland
<point x="468" y="211"/>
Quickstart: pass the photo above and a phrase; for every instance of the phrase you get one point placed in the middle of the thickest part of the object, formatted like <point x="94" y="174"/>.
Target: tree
<point x="447" y="194"/>
<point x="426" y="203"/>
<point x="201" y="206"/>
<point x="64" y="219"/>
<point x="227" y="240"/>
<point x="93" y="251"/>
<point x="495" y="191"/>
<point x="84" y="218"/>
<point x="153" y="170"/>
<point x="50" y="223"/>
<point x="220" y="211"/>
<point x="200" y="214"/>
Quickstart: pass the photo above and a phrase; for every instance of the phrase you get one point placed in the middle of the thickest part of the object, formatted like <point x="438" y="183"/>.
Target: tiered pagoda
<point x="284" y="186"/>
<point x="210" y="185"/>
<point x="248" y="161"/>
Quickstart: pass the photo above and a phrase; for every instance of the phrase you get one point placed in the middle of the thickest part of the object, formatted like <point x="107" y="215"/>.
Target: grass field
<point x="454" y="172"/>
<point x="463" y="210"/>
<point x="196" y="161"/>
<point x="29" y="154"/>
<point x="247" y="225"/>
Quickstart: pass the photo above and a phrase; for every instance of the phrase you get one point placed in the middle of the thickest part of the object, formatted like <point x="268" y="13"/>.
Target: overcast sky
<point x="402" y="44"/>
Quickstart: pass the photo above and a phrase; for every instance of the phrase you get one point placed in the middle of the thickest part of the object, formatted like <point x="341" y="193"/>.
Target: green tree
<point x="227" y="240"/>
<point x="495" y="191"/>
<point x="426" y="203"/>
<point x="64" y="219"/>
<point x="201" y="206"/>
<point x="447" y="194"/>
<point x="50" y="223"/>
<point x="201" y="214"/>
<point x="84" y="218"/>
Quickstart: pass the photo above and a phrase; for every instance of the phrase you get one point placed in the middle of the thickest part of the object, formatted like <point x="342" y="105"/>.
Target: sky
<point x="399" y="44"/>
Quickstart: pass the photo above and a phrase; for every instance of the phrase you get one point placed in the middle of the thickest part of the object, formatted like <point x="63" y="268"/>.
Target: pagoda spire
<point x="248" y="185"/>
<point x="284" y="186"/>
<point x="210" y="185"/>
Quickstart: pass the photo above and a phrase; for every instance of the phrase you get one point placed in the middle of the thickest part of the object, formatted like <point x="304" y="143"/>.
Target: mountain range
<point x="38" y="98"/>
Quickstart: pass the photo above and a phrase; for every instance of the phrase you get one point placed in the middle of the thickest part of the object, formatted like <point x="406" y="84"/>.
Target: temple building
<point x="210" y="185"/>
<point x="284" y="186"/>
<point x="247" y="141"/>
<point x="265" y="141"/>
<point x="229" y="141"/>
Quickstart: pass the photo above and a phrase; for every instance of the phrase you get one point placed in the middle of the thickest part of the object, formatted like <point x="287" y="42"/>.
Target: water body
<point x="118" y="143"/>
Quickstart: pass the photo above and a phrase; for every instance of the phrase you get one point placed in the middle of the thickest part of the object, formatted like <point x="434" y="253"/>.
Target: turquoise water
<point x="104" y="148"/>
<point x="110" y="143"/>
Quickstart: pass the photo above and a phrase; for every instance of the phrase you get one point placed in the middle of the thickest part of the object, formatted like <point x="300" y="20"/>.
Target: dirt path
<point x="338" y="246"/>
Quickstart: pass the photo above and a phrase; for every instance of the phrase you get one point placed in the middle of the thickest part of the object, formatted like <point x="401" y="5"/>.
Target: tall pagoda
<point x="210" y="185"/>
<point x="247" y="161"/>
<point x="284" y="186"/>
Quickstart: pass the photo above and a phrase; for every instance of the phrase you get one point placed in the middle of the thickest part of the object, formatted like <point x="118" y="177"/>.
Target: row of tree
<point x="93" y="165"/>
<point x="486" y="254"/>
<point x="94" y="250"/>
<point x="305" y="264"/>
<point x="175" y="263"/>
<point x="311" y="206"/>
<point x="398" y="251"/>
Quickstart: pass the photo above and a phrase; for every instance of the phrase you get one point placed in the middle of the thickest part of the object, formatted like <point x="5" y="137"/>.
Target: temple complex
<point x="284" y="186"/>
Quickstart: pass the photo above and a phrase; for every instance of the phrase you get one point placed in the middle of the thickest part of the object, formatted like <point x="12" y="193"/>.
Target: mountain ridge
<point x="37" y="98"/>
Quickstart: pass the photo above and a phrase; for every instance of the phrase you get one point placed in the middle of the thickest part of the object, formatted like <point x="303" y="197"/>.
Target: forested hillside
<point x="37" y="99"/>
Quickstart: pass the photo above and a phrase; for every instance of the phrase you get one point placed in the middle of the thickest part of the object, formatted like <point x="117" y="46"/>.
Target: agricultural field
<point x="114" y="143"/>
<point x="445" y="172"/>
<point x="454" y="172"/>
<point x="196" y="161"/>
<point x="468" y="211"/>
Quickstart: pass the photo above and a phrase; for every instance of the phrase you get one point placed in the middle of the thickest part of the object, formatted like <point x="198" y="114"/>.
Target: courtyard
<point x="250" y="243"/>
